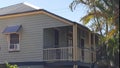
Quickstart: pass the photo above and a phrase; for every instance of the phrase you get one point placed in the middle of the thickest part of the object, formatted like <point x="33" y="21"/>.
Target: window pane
<point x="69" y="37"/>
<point x="14" y="38"/>
<point x="11" y="46"/>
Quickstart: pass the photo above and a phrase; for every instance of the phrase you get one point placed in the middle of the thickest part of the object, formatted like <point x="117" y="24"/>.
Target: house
<point x="36" y="38"/>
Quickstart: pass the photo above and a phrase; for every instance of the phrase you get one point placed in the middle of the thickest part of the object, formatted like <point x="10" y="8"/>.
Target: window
<point x="83" y="33"/>
<point x="69" y="38"/>
<point x="13" y="34"/>
<point x="14" y="42"/>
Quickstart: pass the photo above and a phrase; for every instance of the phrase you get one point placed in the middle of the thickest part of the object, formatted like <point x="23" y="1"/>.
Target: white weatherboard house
<point x="36" y="38"/>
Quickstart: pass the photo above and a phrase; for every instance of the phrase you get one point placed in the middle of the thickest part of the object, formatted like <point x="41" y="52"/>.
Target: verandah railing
<point x="66" y="54"/>
<point x="58" y="54"/>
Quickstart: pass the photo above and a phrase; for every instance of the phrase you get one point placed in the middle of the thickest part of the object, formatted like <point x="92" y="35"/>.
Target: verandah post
<point x="75" y="52"/>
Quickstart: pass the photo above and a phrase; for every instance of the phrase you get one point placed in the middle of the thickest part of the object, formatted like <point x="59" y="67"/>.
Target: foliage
<point x="104" y="15"/>
<point x="11" y="66"/>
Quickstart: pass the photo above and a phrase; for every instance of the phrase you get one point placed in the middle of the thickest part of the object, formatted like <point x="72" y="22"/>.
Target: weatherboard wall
<point x="31" y="42"/>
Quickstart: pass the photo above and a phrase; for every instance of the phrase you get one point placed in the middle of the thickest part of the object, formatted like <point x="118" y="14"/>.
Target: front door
<point x="58" y="52"/>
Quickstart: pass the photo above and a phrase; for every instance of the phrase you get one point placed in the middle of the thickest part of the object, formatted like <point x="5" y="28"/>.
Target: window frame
<point x="18" y="46"/>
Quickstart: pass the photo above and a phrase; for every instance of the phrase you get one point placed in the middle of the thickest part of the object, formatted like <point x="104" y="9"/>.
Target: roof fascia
<point x="35" y="12"/>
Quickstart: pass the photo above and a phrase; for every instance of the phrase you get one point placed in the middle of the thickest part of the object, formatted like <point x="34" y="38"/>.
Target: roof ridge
<point x="30" y="5"/>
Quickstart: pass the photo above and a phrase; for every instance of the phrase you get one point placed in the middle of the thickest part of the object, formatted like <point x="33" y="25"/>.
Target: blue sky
<point x="59" y="7"/>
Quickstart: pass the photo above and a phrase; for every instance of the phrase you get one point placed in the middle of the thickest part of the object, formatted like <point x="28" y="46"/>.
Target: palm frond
<point x="91" y="16"/>
<point x="87" y="18"/>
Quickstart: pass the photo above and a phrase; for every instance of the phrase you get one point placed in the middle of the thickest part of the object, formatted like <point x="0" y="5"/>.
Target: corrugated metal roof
<point x="17" y="8"/>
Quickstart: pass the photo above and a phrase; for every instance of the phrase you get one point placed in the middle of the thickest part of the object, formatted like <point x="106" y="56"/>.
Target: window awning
<point x="12" y="29"/>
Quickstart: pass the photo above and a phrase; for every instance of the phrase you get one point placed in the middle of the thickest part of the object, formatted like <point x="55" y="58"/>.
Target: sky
<point x="59" y="7"/>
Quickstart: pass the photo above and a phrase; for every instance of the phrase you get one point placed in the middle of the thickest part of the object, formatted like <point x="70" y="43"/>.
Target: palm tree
<point x="104" y="15"/>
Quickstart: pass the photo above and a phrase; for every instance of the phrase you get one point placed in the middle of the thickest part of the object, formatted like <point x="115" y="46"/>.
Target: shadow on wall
<point x="3" y="66"/>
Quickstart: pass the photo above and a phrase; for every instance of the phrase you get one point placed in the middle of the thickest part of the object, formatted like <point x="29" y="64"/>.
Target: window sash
<point x="14" y="42"/>
<point x="14" y="38"/>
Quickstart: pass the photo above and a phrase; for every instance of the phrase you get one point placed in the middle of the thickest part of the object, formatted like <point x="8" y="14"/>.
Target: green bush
<point x="11" y="66"/>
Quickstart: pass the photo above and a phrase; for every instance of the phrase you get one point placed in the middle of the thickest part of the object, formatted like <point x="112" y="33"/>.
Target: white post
<point x="75" y="52"/>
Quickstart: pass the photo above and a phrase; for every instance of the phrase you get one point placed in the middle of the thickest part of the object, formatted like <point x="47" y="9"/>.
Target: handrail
<point x="57" y="48"/>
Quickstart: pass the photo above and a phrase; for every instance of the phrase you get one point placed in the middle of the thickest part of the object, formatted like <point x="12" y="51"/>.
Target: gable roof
<point x="17" y="8"/>
<point x="24" y="8"/>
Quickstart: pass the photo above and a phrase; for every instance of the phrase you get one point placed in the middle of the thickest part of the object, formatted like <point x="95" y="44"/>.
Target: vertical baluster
<point x="47" y="54"/>
<point x="62" y="54"/>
